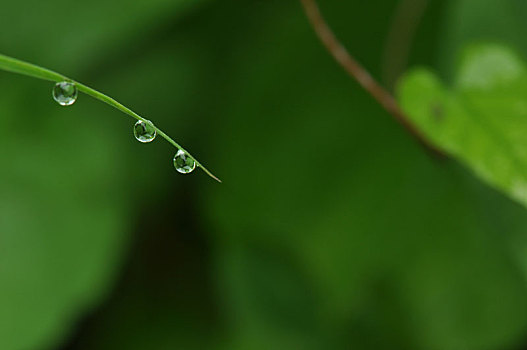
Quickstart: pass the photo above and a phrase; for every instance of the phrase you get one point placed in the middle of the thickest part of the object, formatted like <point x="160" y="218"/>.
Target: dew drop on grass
<point x="183" y="163"/>
<point x="144" y="131"/>
<point x="65" y="93"/>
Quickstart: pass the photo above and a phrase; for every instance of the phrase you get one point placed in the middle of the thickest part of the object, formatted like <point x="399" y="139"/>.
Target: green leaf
<point x="481" y="119"/>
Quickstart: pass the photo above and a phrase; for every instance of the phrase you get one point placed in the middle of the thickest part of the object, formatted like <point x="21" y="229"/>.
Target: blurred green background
<point x="333" y="229"/>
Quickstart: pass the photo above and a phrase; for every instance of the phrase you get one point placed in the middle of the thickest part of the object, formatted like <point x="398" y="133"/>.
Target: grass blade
<point x="14" y="65"/>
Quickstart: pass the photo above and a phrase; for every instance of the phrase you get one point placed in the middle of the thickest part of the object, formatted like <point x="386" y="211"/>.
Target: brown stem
<point x="359" y="73"/>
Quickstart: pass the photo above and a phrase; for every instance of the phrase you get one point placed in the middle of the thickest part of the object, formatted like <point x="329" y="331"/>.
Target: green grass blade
<point x="16" y="66"/>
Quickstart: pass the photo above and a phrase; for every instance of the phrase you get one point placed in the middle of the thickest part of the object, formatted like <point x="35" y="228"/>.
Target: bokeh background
<point x="333" y="228"/>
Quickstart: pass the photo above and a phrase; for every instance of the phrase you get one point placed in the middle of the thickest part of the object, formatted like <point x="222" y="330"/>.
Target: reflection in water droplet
<point x="183" y="163"/>
<point x="144" y="132"/>
<point x="65" y="93"/>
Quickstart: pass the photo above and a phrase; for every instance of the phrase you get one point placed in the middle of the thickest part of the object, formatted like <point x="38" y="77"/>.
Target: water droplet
<point x="65" y="93"/>
<point x="144" y="132"/>
<point x="183" y="163"/>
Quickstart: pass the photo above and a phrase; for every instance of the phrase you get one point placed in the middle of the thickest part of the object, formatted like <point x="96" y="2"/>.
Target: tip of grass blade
<point x="209" y="173"/>
<point x="214" y="177"/>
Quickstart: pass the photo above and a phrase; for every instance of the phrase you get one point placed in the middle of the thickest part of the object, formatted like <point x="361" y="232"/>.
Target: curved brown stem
<point x="359" y="73"/>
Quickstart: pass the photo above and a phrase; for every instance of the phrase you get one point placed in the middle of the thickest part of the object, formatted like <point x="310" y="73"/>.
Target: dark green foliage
<point x="334" y="229"/>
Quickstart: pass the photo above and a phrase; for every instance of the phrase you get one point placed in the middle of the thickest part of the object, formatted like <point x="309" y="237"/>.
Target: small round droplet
<point x="144" y="132"/>
<point x="65" y="93"/>
<point x="183" y="163"/>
